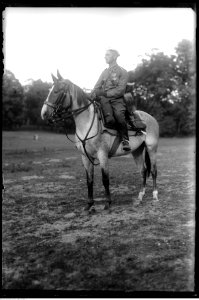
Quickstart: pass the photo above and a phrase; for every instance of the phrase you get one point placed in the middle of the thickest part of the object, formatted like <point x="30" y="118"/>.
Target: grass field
<point x="49" y="243"/>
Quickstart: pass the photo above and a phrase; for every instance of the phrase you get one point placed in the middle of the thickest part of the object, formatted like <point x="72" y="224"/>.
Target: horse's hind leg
<point x="152" y="145"/>
<point x="89" y="176"/>
<point x="139" y="157"/>
<point x="152" y="155"/>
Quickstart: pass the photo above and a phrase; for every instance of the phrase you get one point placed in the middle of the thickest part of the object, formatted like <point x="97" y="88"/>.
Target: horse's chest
<point x="87" y="146"/>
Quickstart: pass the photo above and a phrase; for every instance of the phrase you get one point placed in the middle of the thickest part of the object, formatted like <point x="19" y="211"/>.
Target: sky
<point x="38" y="41"/>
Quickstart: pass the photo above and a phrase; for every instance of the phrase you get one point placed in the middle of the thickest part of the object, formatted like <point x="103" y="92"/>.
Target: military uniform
<point x="113" y="82"/>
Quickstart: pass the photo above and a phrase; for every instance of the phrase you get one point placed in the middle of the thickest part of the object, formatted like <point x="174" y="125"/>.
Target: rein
<point x="61" y="113"/>
<point x="83" y="141"/>
<point x="86" y="137"/>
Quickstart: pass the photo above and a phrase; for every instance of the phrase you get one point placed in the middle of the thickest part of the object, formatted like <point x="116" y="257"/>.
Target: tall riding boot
<point x="125" y="138"/>
<point x="119" y="111"/>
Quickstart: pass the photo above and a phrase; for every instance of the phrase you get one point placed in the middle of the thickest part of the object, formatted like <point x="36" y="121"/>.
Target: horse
<point x="65" y="99"/>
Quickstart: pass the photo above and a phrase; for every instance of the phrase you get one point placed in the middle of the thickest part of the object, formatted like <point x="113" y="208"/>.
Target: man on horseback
<point x="111" y="87"/>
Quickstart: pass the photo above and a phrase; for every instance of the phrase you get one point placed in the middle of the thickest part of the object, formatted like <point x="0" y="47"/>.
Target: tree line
<point x="162" y="85"/>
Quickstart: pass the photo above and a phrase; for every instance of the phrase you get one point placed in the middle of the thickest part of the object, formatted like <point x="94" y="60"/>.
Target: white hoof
<point x="155" y="195"/>
<point x="136" y="202"/>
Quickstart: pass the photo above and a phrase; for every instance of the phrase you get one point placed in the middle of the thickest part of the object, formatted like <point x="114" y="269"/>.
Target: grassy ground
<point x="49" y="242"/>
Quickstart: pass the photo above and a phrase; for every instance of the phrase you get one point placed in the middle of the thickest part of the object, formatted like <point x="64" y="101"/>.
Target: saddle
<point x="134" y="123"/>
<point x="112" y="128"/>
<point x="110" y="125"/>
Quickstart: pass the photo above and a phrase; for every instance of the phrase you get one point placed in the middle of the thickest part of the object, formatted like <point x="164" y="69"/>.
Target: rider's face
<point x="109" y="57"/>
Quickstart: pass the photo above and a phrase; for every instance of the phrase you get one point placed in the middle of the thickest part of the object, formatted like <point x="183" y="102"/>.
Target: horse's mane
<point x="82" y="97"/>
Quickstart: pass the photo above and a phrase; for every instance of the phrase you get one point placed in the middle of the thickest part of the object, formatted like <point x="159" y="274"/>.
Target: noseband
<point x="59" y="112"/>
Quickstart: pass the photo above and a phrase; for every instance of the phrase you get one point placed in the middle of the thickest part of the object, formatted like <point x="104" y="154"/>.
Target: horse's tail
<point x="142" y="150"/>
<point x="148" y="162"/>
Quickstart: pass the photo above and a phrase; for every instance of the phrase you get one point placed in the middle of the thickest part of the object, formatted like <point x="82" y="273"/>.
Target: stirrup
<point x="126" y="147"/>
<point x="140" y="132"/>
<point x="144" y="132"/>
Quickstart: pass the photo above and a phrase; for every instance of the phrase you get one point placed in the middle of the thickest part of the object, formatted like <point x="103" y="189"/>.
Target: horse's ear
<point x="59" y="75"/>
<point x="54" y="78"/>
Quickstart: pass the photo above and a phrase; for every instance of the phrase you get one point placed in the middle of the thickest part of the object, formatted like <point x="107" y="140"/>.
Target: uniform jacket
<point x="113" y="80"/>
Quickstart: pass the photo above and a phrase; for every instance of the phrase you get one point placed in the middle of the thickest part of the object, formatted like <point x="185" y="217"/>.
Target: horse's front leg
<point x="89" y="176"/>
<point x="103" y="158"/>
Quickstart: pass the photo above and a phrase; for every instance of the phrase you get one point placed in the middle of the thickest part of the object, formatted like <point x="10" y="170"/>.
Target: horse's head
<point x="59" y="99"/>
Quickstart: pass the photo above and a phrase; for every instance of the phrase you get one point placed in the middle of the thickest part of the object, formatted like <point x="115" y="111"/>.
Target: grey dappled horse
<point x="67" y="99"/>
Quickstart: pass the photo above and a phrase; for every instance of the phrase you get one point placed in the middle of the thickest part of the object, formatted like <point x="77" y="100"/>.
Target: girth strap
<point x="115" y="145"/>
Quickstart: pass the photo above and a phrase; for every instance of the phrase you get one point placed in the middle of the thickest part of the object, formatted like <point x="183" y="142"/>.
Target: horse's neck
<point x="84" y="120"/>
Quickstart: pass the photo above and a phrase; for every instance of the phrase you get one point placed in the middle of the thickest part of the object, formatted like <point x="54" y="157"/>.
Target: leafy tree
<point x="164" y="86"/>
<point x="13" y="101"/>
<point x="35" y="94"/>
<point x="185" y="97"/>
<point x="153" y="85"/>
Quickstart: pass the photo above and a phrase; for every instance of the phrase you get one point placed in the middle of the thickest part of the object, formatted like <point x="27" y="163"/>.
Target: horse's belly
<point x="136" y="141"/>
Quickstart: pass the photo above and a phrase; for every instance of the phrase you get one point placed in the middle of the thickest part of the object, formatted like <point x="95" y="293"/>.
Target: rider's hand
<point x="93" y="96"/>
<point x="100" y="92"/>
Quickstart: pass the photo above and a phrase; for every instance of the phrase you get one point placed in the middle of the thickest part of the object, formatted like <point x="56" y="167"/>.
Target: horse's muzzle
<point x="44" y="112"/>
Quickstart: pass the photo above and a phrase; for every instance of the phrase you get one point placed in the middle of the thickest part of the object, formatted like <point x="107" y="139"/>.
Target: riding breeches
<point x="119" y="112"/>
<point x="115" y="110"/>
<point x="107" y="112"/>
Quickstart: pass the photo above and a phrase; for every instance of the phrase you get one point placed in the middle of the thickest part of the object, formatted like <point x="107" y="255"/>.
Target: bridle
<point x="60" y="114"/>
<point x="59" y="111"/>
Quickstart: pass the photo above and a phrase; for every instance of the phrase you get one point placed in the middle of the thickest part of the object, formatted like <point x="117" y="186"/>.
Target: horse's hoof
<point x="155" y="195"/>
<point x="107" y="211"/>
<point x="107" y="206"/>
<point x="92" y="210"/>
<point x="88" y="206"/>
<point x="137" y="202"/>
